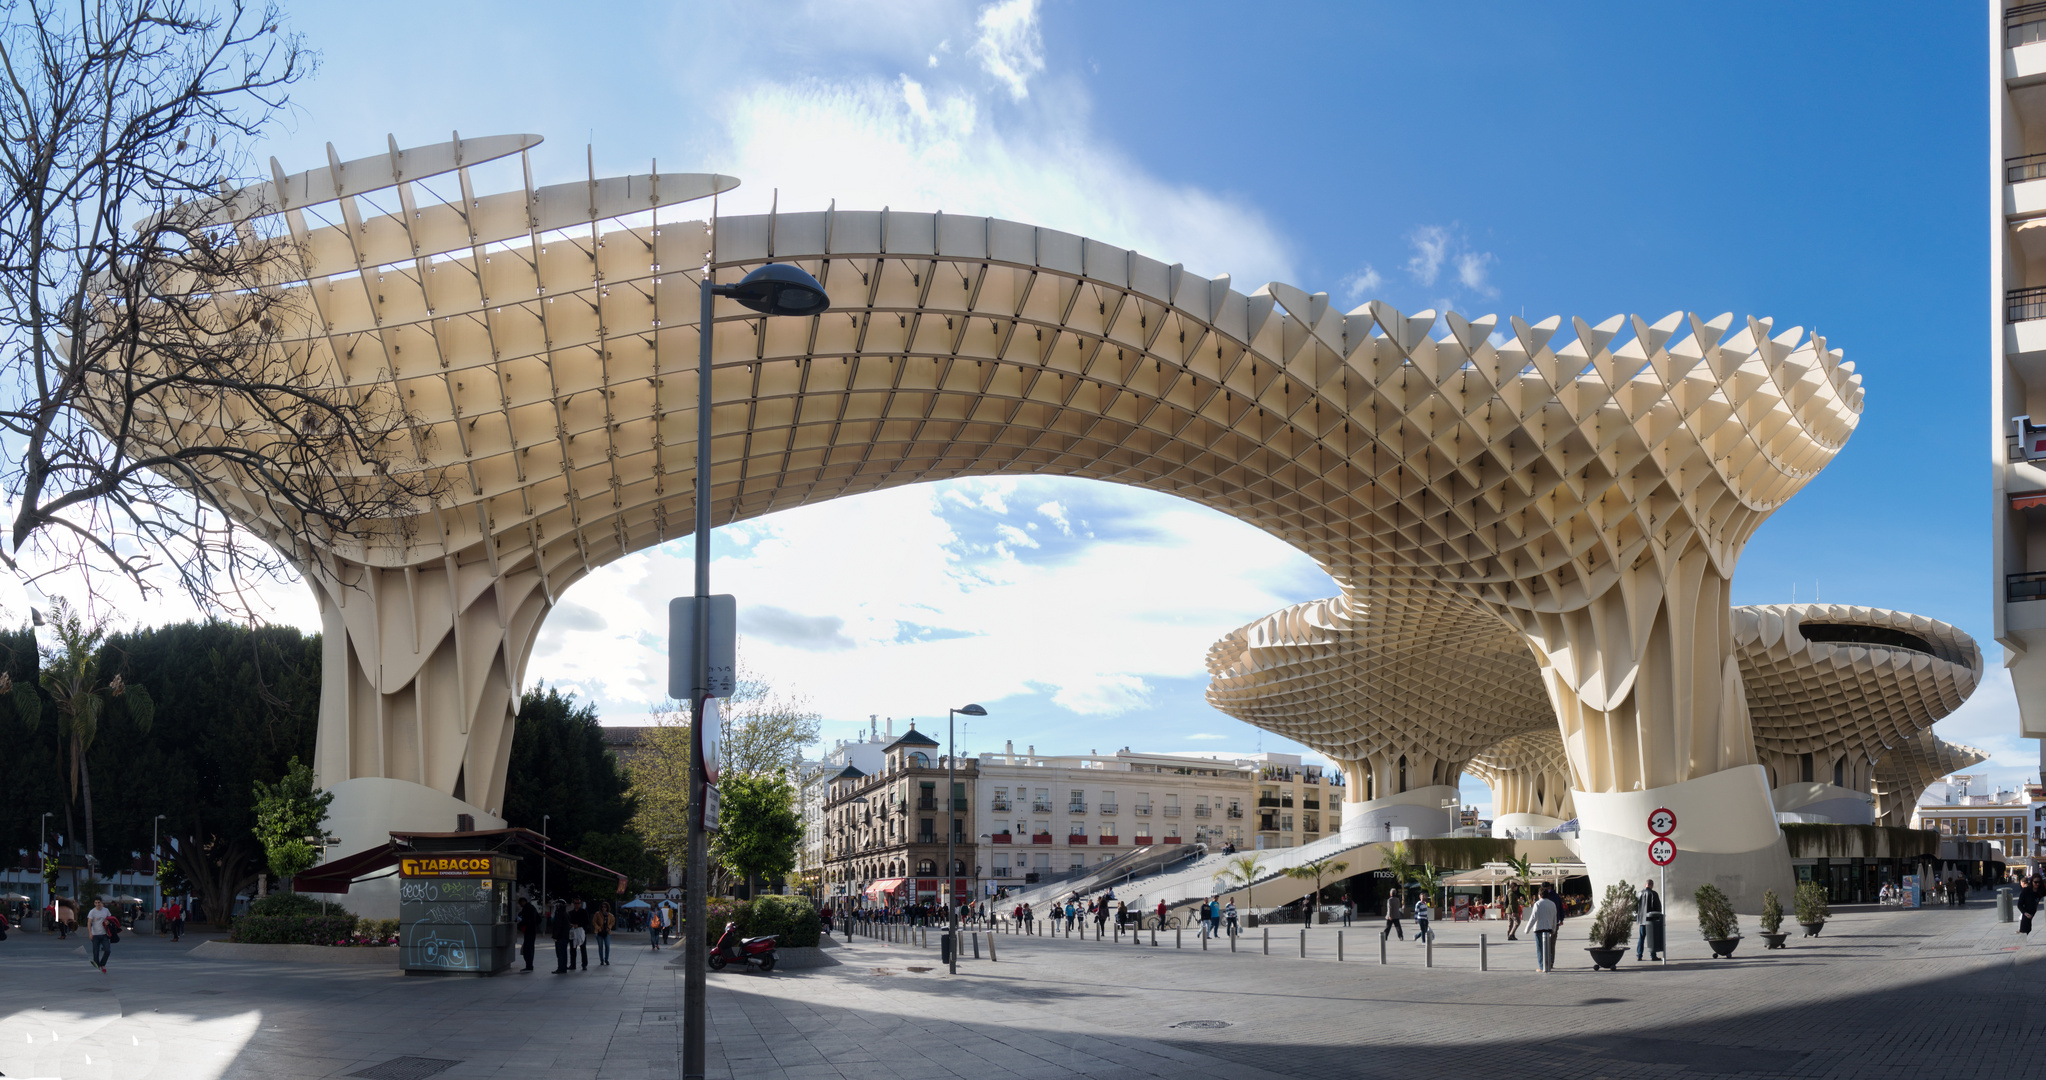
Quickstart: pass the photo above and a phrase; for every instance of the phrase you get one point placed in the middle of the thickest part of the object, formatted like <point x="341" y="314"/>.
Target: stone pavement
<point x="1879" y="994"/>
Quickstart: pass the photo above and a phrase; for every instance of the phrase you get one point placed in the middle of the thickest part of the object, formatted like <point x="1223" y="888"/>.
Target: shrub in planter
<point x="294" y="904"/>
<point x="1772" y="919"/>
<point x="789" y="917"/>
<point x="1716" y="920"/>
<point x="1614" y="923"/>
<point x="292" y="929"/>
<point x="1812" y="907"/>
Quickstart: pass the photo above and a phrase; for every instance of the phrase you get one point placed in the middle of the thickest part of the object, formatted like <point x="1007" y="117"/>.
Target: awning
<point x="336" y="876"/>
<point x="2027" y="502"/>
<point x="884" y="887"/>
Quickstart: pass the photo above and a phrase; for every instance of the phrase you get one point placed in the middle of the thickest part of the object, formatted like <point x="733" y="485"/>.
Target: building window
<point x="1079" y="860"/>
<point x="926" y="866"/>
<point x="1143" y="830"/>
<point x="1981" y="826"/>
<point x="920" y="760"/>
<point x="1998" y="826"/>
<point x="1079" y="829"/>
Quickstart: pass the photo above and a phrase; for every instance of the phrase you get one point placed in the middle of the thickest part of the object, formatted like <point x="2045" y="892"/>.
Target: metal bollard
<point x="1268" y="941"/>
<point x="1339" y="946"/>
<point x="1154" y="937"/>
<point x="1178" y="938"/>
<point x="1484" y="959"/>
<point x="991" y="948"/>
<point x="1303" y="943"/>
<point x="1232" y="939"/>
<point x="1381" y="949"/>
<point x="976" y="945"/>
<point x="1428" y="946"/>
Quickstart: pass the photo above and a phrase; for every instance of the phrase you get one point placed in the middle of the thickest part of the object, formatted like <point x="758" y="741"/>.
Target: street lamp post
<point x="774" y="289"/>
<point x="952" y="823"/>
<point x="43" y="849"/>
<point x="156" y="858"/>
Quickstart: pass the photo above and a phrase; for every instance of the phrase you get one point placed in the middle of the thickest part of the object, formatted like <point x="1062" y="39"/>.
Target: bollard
<point x="1154" y="937"/>
<point x="1339" y="946"/>
<point x="1268" y="941"/>
<point x="1381" y="949"/>
<point x="1232" y="939"/>
<point x="991" y="948"/>
<point x="1178" y="938"/>
<point x="1428" y="946"/>
<point x="1303" y="943"/>
<point x="1484" y="960"/>
<point x="976" y="945"/>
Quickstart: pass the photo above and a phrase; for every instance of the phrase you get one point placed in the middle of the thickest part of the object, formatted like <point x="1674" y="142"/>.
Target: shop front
<point x="455" y="913"/>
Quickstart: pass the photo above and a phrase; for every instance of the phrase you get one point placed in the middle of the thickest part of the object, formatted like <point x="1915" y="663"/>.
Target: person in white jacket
<point x="1543" y="919"/>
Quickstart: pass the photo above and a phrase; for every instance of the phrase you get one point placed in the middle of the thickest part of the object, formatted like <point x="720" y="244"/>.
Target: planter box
<point x="1170" y="840"/>
<point x="1606" y="959"/>
<point x="1723" y="947"/>
<point x="999" y="838"/>
<point x="1041" y="838"/>
<point x="1076" y="838"/>
<point x="1109" y="841"/>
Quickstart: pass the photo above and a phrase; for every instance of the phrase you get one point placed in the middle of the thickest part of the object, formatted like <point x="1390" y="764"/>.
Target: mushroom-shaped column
<point x="1910" y="767"/>
<point x="1530" y="781"/>
<point x="1623" y="484"/>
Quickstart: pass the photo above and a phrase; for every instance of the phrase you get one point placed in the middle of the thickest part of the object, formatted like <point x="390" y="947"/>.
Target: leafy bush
<point x="293" y="904"/>
<point x="293" y="930"/>
<point x="1716" y="920"/>
<point x="1615" y="918"/>
<point x="1772" y="912"/>
<point x="719" y="910"/>
<point x="790" y="917"/>
<point x="377" y="930"/>
<point x="1811" y="903"/>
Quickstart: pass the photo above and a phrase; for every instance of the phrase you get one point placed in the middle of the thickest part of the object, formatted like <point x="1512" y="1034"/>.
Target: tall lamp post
<point x="156" y="858"/>
<point x="952" y="825"/>
<point x="43" y="849"/>
<point x="774" y="289"/>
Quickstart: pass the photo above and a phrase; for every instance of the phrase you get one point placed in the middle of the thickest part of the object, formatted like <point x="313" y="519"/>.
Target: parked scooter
<point x="745" y="952"/>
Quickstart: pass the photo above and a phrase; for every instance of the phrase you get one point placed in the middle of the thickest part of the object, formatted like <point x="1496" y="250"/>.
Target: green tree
<point x="626" y="853"/>
<point x="1315" y="871"/>
<point x="765" y="727"/>
<point x="563" y="777"/>
<point x="288" y="813"/>
<point x="759" y="826"/>
<point x="658" y="772"/>
<point x="1240" y="871"/>
<point x="71" y="677"/>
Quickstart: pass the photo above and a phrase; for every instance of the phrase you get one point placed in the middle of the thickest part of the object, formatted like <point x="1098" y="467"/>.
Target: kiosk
<point x="455" y="913"/>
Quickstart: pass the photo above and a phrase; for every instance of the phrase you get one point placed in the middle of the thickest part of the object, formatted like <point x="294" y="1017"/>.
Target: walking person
<point x="1516" y="906"/>
<point x="528" y="926"/>
<point x="2028" y="904"/>
<point x="1229" y="918"/>
<point x="175" y="915"/>
<point x="558" y="928"/>
<point x="601" y="922"/>
<point x="653" y="928"/>
<point x="1100" y="918"/>
<point x="1422" y="913"/>
<point x="1650" y="906"/>
<point x="1395" y="907"/>
<point x="1162" y="911"/>
<point x="103" y="928"/>
<point x="1543" y="920"/>
<point x="579" y="935"/>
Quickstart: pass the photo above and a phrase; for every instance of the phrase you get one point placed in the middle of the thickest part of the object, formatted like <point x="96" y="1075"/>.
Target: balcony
<point x="1203" y="811"/>
<point x="1077" y="808"/>
<point x="1109" y="841"/>
<point x="2024" y="305"/>
<point x="1171" y="840"/>
<point x="1268" y="800"/>
<point x="1002" y="805"/>
<point x="928" y="802"/>
<point x="2023" y="25"/>
<point x="1236" y="811"/>
<point x="2017" y="170"/>
<point x="2030" y="585"/>
<point x="1040" y="808"/>
<point x="1109" y="808"/>
<point x="1144" y="810"/>
<point x="1310" y="804"/>
<point x="1076" y="838"/>
<point x="1172" y="811"/>
<point x="1041" y="838"/>
<point x="927" y="838"/>
<point x="999" y="838"/>
<point x="1143" y="841"/>
<point x="959" y="804"/>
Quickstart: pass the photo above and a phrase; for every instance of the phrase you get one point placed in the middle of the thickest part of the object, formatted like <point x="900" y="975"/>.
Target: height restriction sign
<point x="1662" y="851"/>
<point x="1662" y="821"/>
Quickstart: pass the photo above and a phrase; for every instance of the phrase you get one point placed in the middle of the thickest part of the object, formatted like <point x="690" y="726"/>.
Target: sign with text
<point x="1662" y="851"/>
<point x="724" y="648"/>
<point x="457" y="866"/>
<point x="708" y="728"/>
<point x="1662" y="821"/>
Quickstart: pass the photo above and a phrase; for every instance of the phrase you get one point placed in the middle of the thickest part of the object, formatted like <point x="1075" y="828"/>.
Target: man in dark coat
<point x="558" y="928"/>
<point x="2028" y="903"/>
<point x="528" y="924"/>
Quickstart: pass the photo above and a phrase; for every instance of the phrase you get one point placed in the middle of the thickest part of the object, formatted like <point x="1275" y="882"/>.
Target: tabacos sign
<point x="454" y="866"/>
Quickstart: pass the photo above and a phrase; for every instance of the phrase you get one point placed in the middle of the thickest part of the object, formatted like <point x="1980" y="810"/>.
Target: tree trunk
<point x="85" y="782"/>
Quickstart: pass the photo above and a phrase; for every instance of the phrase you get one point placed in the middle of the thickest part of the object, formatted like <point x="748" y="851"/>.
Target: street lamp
<point x="774" y="289"/>
<point x="952" y="831"/>
<point x="43" y="849"/>
<point x="156" y="857"/>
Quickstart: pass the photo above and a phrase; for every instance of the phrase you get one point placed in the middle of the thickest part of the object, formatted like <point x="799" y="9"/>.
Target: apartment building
<point x="2017" y="384"/>
<point x="813" y="786"/>
<point x="1296" y="803"/>
<point x="1969" y="807"/>
<point x="1049" y="815"/>
<point x="884" y="832"/>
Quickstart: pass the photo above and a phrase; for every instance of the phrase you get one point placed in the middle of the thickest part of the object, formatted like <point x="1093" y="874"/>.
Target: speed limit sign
<point x="1662" y="821"/>
<point x="1662" y="851"/>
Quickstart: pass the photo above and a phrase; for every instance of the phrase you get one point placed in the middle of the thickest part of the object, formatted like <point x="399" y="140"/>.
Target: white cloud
<point x="1016" y="537"/>
<point x="1988" y="720"/>
<point x="1056" y="514"/>
<point x="1471" y="269"/>
<point x="1010" y="45"/>
<point x="1102" y="694"/>
<point x="993" y="501"/>
<point x="1205" y="735"/>
<point x="1360" y="284"/>
<point x="1431" y="246"/>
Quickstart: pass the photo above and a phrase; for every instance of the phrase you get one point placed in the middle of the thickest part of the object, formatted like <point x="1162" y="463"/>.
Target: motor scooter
<point x="745" y="952"/>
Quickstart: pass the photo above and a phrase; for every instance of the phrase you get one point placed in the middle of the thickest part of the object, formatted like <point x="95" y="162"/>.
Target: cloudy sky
<point x="1780" y="160"/>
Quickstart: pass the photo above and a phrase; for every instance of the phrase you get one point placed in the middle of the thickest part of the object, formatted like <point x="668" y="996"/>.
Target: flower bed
<point x="329" y="930"/>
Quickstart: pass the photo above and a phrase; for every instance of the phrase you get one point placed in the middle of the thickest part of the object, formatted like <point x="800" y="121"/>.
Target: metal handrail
<point x="2030" y="585"/>
<point x="2024" y="305"/>
<point x="2017" y="170"/>
<point x="2023" y="25"/>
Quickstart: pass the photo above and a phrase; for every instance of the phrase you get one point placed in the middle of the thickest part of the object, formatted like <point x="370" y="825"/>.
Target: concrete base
<point x="1825" y="802"/>
<point x="1726" y="836"/>
<point x="1540" y="823"/>
<point x="384" y="955"/>
<point x="1420" y="810"/>
<point x="364" y="813"/>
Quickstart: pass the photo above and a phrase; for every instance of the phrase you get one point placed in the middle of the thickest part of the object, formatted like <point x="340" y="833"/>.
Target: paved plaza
<point x="1880" y="994"/>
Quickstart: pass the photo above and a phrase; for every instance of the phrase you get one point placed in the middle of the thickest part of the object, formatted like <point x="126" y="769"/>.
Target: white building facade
<point x="813" y="785"/>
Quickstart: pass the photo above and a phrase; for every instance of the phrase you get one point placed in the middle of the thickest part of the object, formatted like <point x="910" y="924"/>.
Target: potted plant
<point x="1611" y="926"/>
<point x="1772" y="919"/>
<point x="1716" y="921"/>
<point x="1811" y="907"/>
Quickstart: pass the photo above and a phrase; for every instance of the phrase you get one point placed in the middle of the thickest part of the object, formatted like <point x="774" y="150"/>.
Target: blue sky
<point x="1823" y="164"/>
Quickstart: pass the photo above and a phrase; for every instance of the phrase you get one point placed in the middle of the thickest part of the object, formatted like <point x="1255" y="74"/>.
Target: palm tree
<point x="1317" y="870"/>
<point x="1240" y="871"/>
<point x="70" y="676"/>
<point x="1428" y="878"/>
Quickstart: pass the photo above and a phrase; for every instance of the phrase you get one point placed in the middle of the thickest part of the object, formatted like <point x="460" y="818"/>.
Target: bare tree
<point x="158" y="393"/>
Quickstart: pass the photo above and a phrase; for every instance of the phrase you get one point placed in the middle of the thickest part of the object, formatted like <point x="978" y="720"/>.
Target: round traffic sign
<point x="1662" y="851"/>
<point x="1662" y="821"/>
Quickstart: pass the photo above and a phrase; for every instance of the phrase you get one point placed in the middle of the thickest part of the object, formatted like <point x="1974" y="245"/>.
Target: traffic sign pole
<point x="1662" y="822"/>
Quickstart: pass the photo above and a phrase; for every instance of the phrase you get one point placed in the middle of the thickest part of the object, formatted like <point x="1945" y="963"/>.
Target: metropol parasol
<point x="1531" y="533"/>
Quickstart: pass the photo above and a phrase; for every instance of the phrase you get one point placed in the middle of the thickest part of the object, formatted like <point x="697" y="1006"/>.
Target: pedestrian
<point x="104" y="930"/>
<point x="579" y="934"/>
<point x="1394" y="909"/>
<point x="1349" y="909"/>
<point x="1162" y="910"/>
<point x="2028" y="904"/>
<point x="1543" y="920"/>
<point x="1100" y="918"/>
<point x="1650" y="906"/>
<point x="601" y="922"/>
<point x="1422" y="913"/>
<point x="558" y="928"/>
<point x="1122" y="914"/>
<point x="528" y="926"/>
<point x="653" y="928"/>
<point x="1229" y="918"/>
<point x="175" y="914"/>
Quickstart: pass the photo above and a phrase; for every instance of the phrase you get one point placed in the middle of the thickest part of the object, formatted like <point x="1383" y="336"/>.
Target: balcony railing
<point x="1144" y="809"/>
<point x="927" y="838"/>
<point x="1001" y="804"/>
<point x="1076" y="838"/>
<point x="1040" y="838"/>
<point x="1204" y="811"/>
<point x="1000" y="838"/>
<point x="1003" y="871"/>
<point x="2023" y="25"/>
<point x="2027" y="586"/>
<point x="1172" y="811"/>
<point x="1310" y="804"/>
<point x="2017" y="170"/>
<point x="2024" y="305"/>
<point x="1076" y="808"/>
<point x="1109" y="808"/>
<point x="1235" y="811"/>
<point x="929" y="802"/>
<point x="1268" y="800"/>
<point x="1040" y="808"/>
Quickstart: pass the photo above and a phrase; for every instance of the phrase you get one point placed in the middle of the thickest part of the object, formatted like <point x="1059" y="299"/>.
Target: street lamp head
<point x="779" y="289"/>
<point x="971" y="710"/>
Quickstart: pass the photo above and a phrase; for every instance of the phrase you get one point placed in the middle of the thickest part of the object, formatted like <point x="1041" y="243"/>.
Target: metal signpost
<point x="1662" y="851"/>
